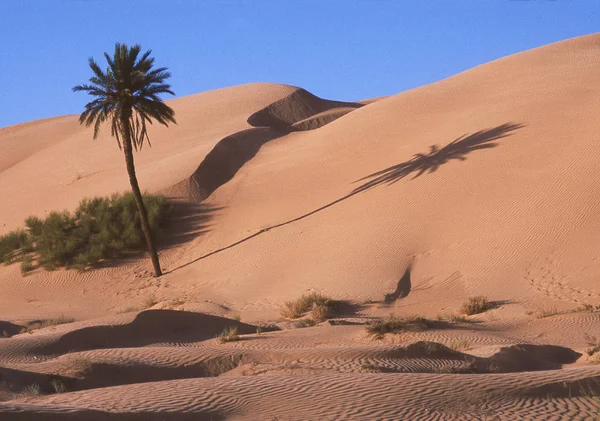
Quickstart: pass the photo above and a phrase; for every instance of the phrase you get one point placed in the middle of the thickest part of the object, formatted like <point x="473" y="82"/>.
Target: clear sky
<point x="337" y="49"/>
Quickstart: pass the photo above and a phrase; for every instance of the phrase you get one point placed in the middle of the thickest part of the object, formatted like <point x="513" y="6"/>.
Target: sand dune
<point x="484" y="183"/>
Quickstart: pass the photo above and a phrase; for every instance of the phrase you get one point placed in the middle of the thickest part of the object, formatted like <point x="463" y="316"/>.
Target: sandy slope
<point x="483" y="183"/>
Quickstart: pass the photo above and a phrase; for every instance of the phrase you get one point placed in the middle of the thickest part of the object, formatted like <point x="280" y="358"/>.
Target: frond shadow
<point x="429" y="162"/>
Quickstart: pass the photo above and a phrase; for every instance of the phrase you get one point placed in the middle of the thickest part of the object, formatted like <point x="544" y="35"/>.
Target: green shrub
<point x="34" y="226"/>
<point x="296" y="309"/>
<point x="10" y="243"/>
<point x="100" y="228"/>
<point x="26" y="264"/>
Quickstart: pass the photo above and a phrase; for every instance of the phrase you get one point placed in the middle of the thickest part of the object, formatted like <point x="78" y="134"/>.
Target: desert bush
<point x="476" y="305"/>
<point x="230" y="334"/>
<point x="41" y="324"/>
<point x="296" y="309"/>
<point x="305" y="323"/>
<point x="593" y="343"/>
<point x="100" y="228"/>
<point x="11" y="243"/>
<point x="541" y="312"/>
<point x="34" y="226"/>
<point x="319" y="312"/>
<point x="397" y="324"/>
<point x="26" y="264"/>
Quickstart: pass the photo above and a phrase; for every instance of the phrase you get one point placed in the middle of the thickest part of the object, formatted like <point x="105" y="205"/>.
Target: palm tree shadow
<point x="429" y="162"/>
<point x="419" y="164"/>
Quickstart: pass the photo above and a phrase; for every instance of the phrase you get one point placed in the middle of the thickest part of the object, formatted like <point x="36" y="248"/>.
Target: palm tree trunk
<point x="137" y="194"/>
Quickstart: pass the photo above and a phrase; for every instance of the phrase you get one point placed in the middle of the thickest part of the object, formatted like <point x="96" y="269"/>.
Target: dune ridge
<point x="484" y="183"/>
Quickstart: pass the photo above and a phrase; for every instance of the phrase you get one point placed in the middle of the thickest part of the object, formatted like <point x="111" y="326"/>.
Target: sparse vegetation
<point x="100" y="228"/>
<point x="397" y="324"/>
<point x="476" y="305"/>
<point x="11" y="244"/>
<point x="41" y="324"/>
<point x="543" y="311"/>
<point x="319" y="312"/>
<point x="230" y="334"/>
<point x="593" y="343"/>
<point x="305" y="323"/>
<point x="30" y="390"/>
<point x="296" y="309"/>
<point x="26" y="264"/>
<point x="460" y="345"/>
<point x="237" y="317"/>
<point x="58" y="386"/>
<point x="587" y="307"/>
<point x="149" y="301"/>
<point x="129" y="309"/>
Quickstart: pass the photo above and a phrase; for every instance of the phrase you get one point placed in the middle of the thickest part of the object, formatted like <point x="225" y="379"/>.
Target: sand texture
<point x="485" y="183"/>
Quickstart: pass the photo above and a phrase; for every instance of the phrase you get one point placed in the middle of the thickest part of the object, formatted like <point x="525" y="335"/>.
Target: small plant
<point x="259" y="330"/>
<point x="305" y="323"/>
<point x="476" y="305"/>
<point x="41" y="324"/>
<point x="31" y="390"/>
<point x="10" y="244"/>
<point x="587" y="307"/>
<point x="296" y="309"/>
<point x="237" y="317"/>
<point x="58" y="386"/>
<point x="129" y="309"/>
<point x="230" y="334"/>
<point x="455" y="318"/>
<point x="26" y="265"/>
<point x="150" y="301"/>
<point x="319" y="312"/>
<point x="397" y="324"/>
<point x="593" y="343"/>
<point x="543" y="312"/>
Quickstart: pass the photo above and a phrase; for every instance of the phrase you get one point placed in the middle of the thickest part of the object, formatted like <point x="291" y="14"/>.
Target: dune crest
<point x="482" y="184"/>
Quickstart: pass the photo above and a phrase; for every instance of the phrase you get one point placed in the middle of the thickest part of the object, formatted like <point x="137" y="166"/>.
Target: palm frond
<point x="127" y="93"/>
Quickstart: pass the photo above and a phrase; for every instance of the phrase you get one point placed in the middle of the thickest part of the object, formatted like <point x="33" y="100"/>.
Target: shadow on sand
<point x="429" y="162"/>
<point x="419" y="164"/>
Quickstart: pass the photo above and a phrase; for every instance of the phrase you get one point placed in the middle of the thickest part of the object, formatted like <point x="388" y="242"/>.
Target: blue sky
<point x="346" y="49"/>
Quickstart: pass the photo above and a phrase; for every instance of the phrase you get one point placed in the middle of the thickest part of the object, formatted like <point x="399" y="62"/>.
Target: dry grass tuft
<point x="594" y="345"/>
<point x="319" y="312"/>
<point x="296" y="309"/>
<point x="397" y="324"/>
<point x="31" y="390"/>
<point x="150" y="301"/>
<point x="129" y="309"/>
<point x="476" y="305"/>
<point x="305" y="323"/>
<point x="41" y="324"/>
<point x="230" y="334"/>
<point x="543" y="311"/>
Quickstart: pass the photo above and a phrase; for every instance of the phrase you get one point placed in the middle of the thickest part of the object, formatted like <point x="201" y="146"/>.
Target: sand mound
<point x="481" y="184"/>
<point x="292" y="112"/>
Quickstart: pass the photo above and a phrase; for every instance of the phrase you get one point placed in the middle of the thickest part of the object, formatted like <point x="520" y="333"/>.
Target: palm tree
<point x="127" y="96"/>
